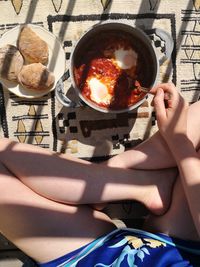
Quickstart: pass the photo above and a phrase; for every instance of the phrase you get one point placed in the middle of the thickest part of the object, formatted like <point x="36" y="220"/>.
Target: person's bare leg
<point x="177" y="221"/>
<point x="74" y="181"/>
<point x="154" y="152"/>
<point x="42" y="228"/>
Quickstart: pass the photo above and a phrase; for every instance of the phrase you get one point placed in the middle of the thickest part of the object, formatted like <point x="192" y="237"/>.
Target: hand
<point x="171" y="111"/>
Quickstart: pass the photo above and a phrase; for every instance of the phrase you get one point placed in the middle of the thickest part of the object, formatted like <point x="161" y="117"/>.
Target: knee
<point x="6" y="143"/>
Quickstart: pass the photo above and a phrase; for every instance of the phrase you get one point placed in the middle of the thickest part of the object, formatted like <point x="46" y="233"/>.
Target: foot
<point x="158" y="198"/>
<point x="99" y="206"/>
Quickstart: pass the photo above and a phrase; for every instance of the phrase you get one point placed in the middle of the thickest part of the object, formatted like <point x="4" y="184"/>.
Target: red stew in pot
<point x="110" y="70"/>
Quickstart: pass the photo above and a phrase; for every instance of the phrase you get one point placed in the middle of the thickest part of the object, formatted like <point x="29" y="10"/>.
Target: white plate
<point x="56" y="63"/>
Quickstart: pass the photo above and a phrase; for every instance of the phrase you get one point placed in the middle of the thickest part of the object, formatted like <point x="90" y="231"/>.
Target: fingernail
<point x="159" y="91"/>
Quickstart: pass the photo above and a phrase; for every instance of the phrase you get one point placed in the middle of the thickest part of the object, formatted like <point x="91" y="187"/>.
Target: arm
<point x="172" y="123"/>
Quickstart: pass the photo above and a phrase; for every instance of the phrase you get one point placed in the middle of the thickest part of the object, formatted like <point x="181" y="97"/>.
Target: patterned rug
<point x="81" y="131"/>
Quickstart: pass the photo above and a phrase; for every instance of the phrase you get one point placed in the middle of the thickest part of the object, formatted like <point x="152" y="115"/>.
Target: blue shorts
<point x="132" y="248"/>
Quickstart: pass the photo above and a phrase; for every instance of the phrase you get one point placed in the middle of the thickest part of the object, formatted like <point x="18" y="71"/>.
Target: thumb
<point x="159" y="104"/>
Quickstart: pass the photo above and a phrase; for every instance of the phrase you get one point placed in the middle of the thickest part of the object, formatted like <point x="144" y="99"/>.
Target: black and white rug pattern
<point x="84" y="132"/>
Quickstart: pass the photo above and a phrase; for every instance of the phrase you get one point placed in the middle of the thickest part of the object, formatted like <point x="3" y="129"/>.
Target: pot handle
<point x="166" y="37"/>
<point x="60" y="95"/>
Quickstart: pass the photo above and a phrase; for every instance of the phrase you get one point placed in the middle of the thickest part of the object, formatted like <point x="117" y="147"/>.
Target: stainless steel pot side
<point x="142" y="40"/>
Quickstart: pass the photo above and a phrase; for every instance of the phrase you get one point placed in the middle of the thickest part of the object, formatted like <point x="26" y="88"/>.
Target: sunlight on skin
<point x="187" y="161"/>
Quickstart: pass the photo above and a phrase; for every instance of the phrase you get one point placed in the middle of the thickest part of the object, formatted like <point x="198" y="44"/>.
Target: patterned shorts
<point x="132" y="248"/>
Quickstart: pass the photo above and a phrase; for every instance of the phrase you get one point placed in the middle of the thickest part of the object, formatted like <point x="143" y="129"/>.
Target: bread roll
<point x="11" y="62"/>
<point x="32" y="47"/>
<point x="36" y="76"/>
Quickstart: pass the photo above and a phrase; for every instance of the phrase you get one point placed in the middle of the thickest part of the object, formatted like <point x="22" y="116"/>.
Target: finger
<point x="167" y="96"/>
<point x="159" y="104"/>
<point x="170" y="92"/>
<point x="167" y="87"/>
<point x="167" y="100"/>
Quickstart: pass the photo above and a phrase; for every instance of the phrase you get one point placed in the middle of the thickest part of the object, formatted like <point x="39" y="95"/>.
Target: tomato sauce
<point x="97" y="61"/>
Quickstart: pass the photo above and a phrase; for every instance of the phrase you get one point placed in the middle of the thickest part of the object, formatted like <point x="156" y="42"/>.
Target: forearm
<point x="188" y="163"/>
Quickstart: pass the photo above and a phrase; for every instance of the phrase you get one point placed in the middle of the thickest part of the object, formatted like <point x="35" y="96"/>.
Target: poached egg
<point x="99" y="91"/>
<point x="125" y="59"/>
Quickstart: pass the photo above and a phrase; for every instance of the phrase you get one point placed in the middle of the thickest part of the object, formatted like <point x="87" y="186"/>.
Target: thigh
<point x="177" y="221"/>
<point x="42" y="228"/>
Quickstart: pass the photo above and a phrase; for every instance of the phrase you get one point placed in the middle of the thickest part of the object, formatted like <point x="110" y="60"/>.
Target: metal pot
<point x="143" y="41"/>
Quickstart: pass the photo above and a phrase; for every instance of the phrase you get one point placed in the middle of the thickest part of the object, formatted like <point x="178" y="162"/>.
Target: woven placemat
<point x="84" y="132"/>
